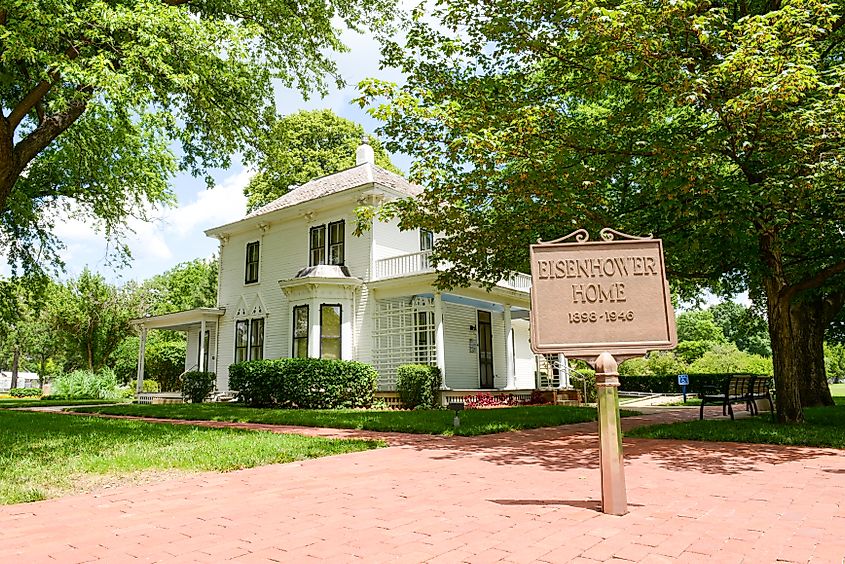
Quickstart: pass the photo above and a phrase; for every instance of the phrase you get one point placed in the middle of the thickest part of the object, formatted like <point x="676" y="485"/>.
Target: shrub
<point x="25" y="392"/>
<point x="669" y="384"/>
<point x="84" y="384"/>
<point x="729" y="359"/>
<point x="419" y="385"/>
<point x="197" y="385"/>
<point x="148" y="386"/>
<point x="307" y="383"/>
<point x="584" y="379"/>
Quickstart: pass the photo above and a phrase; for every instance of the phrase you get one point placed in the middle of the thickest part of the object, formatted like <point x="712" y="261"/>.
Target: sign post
<point x="683" y="382"/>
<point x="603" y="302"/>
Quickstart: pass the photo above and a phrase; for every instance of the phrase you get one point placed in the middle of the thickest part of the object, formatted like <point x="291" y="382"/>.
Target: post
<point x="562" y="371"/>
<point x="439" y="338"/>
<point x="200" y="366"/>
<point x="614" y="499"/>
<point x="15" y="365"/>
<point x="142" y="351"/>
<point x="510" y="380"/>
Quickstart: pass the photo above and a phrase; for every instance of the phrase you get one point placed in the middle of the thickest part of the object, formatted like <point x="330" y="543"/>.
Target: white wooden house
<point x="295" y="281"/>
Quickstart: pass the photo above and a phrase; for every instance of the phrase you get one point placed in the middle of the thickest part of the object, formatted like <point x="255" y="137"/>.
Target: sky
<point x="176" y="234"/>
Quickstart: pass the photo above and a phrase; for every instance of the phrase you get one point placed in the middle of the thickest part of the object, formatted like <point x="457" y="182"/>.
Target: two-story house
<point x="295" y="282"/>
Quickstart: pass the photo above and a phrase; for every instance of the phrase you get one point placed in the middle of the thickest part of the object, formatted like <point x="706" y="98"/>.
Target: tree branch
<point x="50" y="128"/>
<point x="34" y="96"/>
<point x="814" y="281"/>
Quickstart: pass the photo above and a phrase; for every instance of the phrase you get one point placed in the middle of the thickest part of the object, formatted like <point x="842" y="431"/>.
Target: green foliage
<point x="304" y="146"/>
<point x="698" y="325"/>
<point x="668" y="384"/>
<point x="429" y="421"/>
<point x="90" y="318"/>
<point x="585" y="379"/>
<point x="197" y="385"/>
<point x="834" y="358"/>
<point x="690" y="351"/>
<point x="25" y="392"/>
<point x="187" y="285"/>
<point x="729" y="359"/>
<point x="48" y="454"/>
<point x="743" y="327"/>
<point x="164" y="359"/>
<point x="305" y="383"/>
<point x="84" y="384"/>
<point x="706" y="125"/>
<point x="656" y="363"/>
<point x="105" y="101"/>
<point x="419" y="385"/>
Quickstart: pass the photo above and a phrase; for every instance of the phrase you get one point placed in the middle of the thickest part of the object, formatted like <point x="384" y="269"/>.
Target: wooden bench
<point x="739" y="388"/>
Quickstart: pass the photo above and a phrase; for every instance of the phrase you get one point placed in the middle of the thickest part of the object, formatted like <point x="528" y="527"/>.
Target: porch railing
<point x="420" y="263"/>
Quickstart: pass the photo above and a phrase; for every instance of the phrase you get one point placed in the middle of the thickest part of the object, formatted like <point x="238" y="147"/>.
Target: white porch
<point x="199" y="323"/>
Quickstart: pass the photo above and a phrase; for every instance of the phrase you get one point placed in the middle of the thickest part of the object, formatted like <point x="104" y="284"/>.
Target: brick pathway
<point x="515" y="497"/>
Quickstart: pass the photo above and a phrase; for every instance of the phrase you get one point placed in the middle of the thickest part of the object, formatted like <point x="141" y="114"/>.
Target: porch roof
<point x="180" y="320"/>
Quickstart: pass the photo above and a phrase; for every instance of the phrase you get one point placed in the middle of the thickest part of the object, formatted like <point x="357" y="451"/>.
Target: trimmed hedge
<point x="669" y="383"/>
<point x="197" y="385"/>
<point x="419" y="385"/>
<point x="25" y="392"/>
<point x="305" y="383"/>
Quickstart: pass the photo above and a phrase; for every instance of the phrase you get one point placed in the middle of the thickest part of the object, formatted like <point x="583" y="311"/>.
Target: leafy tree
<point x="90" y="319"/>
<point x="834" y="356"/>
<point x="717" y="126"/>
<point x="726" y="358"/>
<point x="698" y="325"/>
<point x="96" y="97"/>
<point x="743" y="327"/>
<point x="187" y="285"/>
<point x="303" y="146"/>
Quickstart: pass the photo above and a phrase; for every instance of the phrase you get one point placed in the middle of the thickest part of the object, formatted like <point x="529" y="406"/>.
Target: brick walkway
<point x="515" y="497"/>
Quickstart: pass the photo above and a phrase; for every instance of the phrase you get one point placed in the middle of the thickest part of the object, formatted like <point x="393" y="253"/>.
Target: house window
<point x="202" y="363"/>
<point x="256" y="339"/>
<point x="317" y="248"/>
<point x="249" y="339"/>
<point x="300" y="331"/>
<point x="330" y="331"/>
<point x="251" y="270"/>
<point x="336" y="238"/>
<point x="426" y="240"/>
<point x="423" y="336"/>
<point x="331" y="250"/>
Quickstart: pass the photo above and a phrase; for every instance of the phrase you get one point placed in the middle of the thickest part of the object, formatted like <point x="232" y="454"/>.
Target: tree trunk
<point x="809" y="353"/>
<point x="15" y="361"/>
<point x="784" y="332"/>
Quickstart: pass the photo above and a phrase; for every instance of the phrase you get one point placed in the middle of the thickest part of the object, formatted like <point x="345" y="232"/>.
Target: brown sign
<point x="590" y="297"/>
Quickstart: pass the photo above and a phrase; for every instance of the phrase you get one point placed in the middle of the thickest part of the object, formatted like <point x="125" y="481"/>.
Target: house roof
<point x="354" y="177"/>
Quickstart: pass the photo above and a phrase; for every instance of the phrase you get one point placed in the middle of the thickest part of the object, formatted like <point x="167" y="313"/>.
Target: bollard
<point x="614" y="499"/>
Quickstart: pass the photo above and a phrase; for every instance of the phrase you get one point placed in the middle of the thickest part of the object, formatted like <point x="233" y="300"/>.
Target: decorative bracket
<point x="583" y="236"/>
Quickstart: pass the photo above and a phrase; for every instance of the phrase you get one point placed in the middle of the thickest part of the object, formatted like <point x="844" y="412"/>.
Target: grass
<point x="824" y="427"/>
<point x="45" y="455"/>
<point x="35" y="402"/>
<point x="432" y="422"/>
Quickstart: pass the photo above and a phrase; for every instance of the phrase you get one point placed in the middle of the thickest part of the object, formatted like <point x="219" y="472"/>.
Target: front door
<point x="485" y="349"/>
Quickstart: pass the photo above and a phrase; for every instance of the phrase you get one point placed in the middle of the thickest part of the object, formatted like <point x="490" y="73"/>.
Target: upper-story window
<point x="426" y="240"/>
<point x="251" y="270"/>
<point x="327" y="250"/>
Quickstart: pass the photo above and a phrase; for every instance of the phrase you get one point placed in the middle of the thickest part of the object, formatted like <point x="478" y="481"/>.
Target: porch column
<point x="142" y="351"/>
<point x="509" y="368"/>
<point x="314" y="334"/>
<point x="439" y="337"/>
<point x="202" y="368"/>
<point x="563" y="371"/>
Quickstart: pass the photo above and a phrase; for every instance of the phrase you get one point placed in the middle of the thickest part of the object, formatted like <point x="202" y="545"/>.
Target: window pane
<point x="426" y="240"/>
<point x="241" y="340"/>
<point x="256" y="338"/>
<point x="336" y="240"/>
<point x="330" y="331"/>
<point x="300" y="331"/>
<point x="330" y="320"/>
<point x="317" y="248"/>
<point x="251" y="271"/>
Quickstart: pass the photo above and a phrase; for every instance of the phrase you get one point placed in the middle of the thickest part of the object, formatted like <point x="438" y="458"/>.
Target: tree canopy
<point x="102" y="102"/>
<point x="302" y="146"/>
<point x="717" y="126"/>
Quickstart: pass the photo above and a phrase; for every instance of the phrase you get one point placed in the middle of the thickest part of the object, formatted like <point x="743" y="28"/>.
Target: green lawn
<point x="824" y="427"/>
<point x="35" y="402"/>
<point x="45" y="454"/>
<point x="433" y="422"/>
